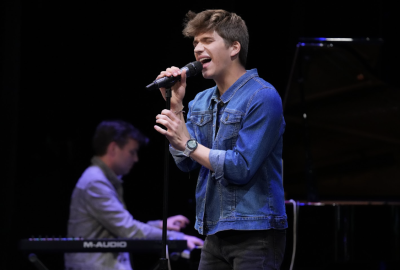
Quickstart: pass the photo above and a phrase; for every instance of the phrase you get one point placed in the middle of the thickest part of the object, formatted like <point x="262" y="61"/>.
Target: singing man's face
<point x="125" y="157"/>
<point x="211" y="49"/>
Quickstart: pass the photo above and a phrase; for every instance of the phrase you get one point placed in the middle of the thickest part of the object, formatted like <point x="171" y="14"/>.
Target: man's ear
<point x="111" y="148"/>
<point x="235" y="49"/>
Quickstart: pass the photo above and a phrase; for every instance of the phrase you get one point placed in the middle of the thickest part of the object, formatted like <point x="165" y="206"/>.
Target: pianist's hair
<point x="230" y="26"/>
<point x="117" y="131"/>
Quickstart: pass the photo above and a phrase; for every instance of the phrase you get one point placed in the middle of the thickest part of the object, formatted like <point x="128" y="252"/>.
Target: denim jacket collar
<point x="234" y="87"/>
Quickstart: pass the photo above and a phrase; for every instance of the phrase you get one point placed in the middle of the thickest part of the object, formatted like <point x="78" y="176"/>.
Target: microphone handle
<point x="192" y="69"/>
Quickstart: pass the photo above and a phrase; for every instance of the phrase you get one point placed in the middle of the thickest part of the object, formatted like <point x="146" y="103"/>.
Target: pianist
<point x="97" y="208"/>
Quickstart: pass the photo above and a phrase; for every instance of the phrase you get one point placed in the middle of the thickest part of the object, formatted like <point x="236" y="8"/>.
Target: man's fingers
<point x="168" y="113"/>
<point x="185" y="219"/>
<point x="180" y="224"/>
<point x="190" y="245"/>
<point x="172" y="71"/>
<point x="160" y="130"/>
<point x="175" y="228"/>
<point x="199" y="242"/>
<point x="165" y="120"/>
<point x="162" y="74"/>
<point x="193" y="241"/>
<point x="183" y="75"/>
<point x="182" y="219"/>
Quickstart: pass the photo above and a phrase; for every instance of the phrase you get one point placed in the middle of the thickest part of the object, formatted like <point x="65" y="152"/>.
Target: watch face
<point x="192" y="144"/>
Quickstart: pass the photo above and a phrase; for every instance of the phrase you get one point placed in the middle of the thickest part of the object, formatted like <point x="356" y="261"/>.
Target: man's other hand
<point x="176" y="223"/>
<point x="193" y="241"/>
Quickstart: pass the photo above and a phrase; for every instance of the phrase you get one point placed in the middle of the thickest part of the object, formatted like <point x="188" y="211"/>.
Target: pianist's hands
<point x="176" y="223"/>
<point x="193" y="241"/>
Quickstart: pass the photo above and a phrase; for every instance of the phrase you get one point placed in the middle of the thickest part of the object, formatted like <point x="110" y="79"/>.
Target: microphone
<point x="192" y="69"/>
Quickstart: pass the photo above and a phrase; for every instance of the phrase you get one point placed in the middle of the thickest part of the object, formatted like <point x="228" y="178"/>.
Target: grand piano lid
<point x="342" y="139"/>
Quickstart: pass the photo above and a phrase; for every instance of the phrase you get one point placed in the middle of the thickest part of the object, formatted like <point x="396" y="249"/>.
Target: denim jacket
<point x="243" y="128"/>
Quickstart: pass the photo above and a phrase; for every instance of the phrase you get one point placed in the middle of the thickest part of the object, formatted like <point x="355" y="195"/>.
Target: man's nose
<point x="199" y="48"/>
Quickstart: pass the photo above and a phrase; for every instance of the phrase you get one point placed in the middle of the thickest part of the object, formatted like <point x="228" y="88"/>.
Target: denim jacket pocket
<point x="202" y="125"/>
<point x="229" y="128"/>
<point x="227" y="198"/>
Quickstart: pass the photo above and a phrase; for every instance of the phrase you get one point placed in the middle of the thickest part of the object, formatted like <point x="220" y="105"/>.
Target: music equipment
<point x="342" y="235"/>
<point x="98" y="245"/>
<point x="341" y="140"/>
<point x="192" y="69"/>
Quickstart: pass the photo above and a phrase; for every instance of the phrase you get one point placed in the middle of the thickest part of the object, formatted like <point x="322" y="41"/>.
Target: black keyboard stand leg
<point x="36" y="262"/>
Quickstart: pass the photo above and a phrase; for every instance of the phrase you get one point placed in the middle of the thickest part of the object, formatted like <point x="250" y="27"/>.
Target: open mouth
<point x="205" y="60"/>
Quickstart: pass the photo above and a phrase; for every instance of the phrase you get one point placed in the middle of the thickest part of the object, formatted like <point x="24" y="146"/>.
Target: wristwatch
<point x="191" y="145"/>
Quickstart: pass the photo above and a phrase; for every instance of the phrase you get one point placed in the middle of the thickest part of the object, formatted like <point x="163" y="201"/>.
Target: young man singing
<point x="234" y="132"/>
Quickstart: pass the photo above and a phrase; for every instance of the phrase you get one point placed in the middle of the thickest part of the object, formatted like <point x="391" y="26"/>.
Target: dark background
<point x="67" y="65"/>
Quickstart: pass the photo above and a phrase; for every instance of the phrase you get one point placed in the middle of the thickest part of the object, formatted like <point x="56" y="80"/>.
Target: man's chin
<point x="207" y="75"/>
<point x="124" y="172"/>
<point x="128" y="171"/>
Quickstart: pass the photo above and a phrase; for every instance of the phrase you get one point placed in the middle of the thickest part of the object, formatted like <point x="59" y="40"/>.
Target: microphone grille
<point x="194" y="68"/>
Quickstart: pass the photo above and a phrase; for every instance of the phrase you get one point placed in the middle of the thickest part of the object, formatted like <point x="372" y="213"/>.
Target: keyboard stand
<point x="36" y="262"/>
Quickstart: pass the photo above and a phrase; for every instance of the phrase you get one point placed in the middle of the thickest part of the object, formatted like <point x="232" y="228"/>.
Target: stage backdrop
<point x="69" y="65"/>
